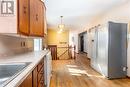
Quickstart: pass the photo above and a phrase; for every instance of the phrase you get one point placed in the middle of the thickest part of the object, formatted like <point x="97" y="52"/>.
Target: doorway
<point x="82" y="43"/>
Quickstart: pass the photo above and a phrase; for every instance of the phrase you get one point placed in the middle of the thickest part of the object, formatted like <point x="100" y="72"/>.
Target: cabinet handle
<point x="42" y="82"/>
<point x="36" y="17"/>
<point x="24" y="9"/>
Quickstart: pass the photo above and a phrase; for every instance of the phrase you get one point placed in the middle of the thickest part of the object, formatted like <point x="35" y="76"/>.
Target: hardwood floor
<point x="78" y="73"/>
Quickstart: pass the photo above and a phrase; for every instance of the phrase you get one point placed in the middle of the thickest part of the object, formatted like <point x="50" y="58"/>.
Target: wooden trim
<point x="17" y="16"/>
<point x="65" y="47"/>
<point x="29" y="16"/>
<point x="36" y="35"/>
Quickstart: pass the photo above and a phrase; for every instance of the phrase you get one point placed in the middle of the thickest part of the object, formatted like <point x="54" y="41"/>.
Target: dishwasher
<point x="48" y="69"/>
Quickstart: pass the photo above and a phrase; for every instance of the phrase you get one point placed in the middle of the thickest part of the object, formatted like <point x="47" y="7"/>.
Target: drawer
<point x="40" y="65"/>
<point x="40" y="75"/>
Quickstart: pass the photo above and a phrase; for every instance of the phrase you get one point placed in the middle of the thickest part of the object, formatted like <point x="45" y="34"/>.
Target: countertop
<point x="34" y="57"/>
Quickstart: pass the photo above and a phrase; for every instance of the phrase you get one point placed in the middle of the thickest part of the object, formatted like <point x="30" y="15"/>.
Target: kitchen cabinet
<point x="40" y="74"/>
<point x="36" y="19"/>
<point x="35" y="84"/>
<point x="27" y="19"/>
<point x="33" y="16"/>
<point x="36" y="78"/>
<point x="23" y="17"/>
<point x="27" y="82"/>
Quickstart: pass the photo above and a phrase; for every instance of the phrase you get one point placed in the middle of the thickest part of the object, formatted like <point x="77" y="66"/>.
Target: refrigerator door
<point x="117" y="60"/>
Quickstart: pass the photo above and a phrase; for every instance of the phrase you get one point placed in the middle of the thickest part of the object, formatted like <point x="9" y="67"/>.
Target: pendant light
<point x="61" y="26"/>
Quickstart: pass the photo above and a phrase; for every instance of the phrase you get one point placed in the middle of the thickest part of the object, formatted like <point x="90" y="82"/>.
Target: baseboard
<point x="86" y="52"/>
<point x="128" y="77"/>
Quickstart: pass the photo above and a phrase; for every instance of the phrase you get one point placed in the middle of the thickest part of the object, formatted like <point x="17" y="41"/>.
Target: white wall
<point x="12" y="45"/>
<point x="73" y="39"/>
<point x="118" y="14"/>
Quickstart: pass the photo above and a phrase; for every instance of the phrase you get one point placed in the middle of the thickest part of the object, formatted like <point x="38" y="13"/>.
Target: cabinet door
<point x="27" y="82"/>
<point x="36" y="18"/>
<point x="33" y="10"/>
<point x="23" y="16"/>
<point x="41" y="18"/>
<point x="35" y="82"/>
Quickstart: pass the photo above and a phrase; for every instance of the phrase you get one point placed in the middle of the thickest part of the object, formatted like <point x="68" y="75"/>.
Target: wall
<point x="118" y="14"/>
<point x="73" y="39"/>
<point x="54" y="38"/>
<point x="12" y="45"/>
<point x="59" y="39"/>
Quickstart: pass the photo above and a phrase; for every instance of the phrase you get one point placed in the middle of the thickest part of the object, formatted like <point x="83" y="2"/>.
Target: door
<point x="33" y="11"/>
<point x="82" y="43"/>
<point x="35" y="84"/>
<point x="23" y="16"/>
<point x="27" y="82"/>
<point x="117" y="62"/>
<point x="40" y="21"/>
<point x="36" y="18"/>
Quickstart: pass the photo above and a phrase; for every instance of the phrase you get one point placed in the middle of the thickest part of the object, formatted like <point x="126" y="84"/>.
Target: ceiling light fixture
<point x="61" y="26"/>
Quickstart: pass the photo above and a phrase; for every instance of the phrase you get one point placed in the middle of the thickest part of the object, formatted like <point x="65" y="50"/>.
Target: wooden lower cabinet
<point x="40" y="74"/>
<point x="36" y="78"/>
<point x="35" y="84"/>
<point x="27" y="82"/>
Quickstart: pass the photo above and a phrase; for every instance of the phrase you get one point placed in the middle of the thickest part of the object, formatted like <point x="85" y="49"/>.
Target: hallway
<point x="78" y="73"/>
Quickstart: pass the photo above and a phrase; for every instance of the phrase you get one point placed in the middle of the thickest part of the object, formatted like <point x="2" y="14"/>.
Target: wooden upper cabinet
<point x="27" y="19"/>
<point x="36" y="19"/>
<point x="23" y="17"/>
<point x="41" y="18"/>
<point x="33" y="11"/>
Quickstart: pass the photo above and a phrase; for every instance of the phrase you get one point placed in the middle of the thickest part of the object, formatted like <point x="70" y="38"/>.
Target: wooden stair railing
<point x="63" y="53"/>
<point x="71" y="52"/>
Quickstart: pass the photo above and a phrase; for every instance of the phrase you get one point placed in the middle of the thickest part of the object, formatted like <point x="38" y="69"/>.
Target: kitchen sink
<point x="9" y="71"/>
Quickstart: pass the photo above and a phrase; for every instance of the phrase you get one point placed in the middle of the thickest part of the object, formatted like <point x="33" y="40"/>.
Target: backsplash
<point x="10" y="45"/>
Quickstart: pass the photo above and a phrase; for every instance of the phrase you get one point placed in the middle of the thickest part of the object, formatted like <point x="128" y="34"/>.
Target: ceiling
<point x="77" y="13"/>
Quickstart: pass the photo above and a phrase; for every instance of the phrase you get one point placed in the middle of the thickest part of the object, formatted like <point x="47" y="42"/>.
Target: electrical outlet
<point x="24" y="44"/>
<point x="21" y="43"/>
